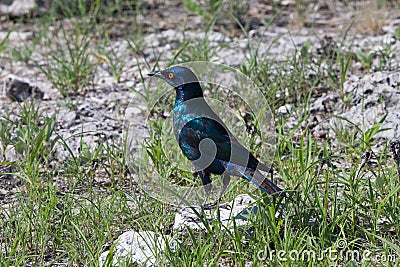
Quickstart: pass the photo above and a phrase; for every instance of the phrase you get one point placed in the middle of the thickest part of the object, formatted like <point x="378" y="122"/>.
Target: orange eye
<point x="170" y="75"/>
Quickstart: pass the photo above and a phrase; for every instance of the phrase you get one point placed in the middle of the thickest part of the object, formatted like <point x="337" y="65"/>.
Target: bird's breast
<point x="181" y="117"/>
<point x="186" y="111"/>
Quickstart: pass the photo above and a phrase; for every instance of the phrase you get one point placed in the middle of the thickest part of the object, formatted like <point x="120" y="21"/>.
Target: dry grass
<point x="372" y="15"/>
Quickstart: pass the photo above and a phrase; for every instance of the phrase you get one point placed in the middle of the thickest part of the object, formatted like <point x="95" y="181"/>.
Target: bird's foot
<point x="226" y="206"/>
<point x="209" y="206"/>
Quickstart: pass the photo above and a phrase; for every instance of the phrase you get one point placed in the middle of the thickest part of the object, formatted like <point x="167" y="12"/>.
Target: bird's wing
<point x="228" y="147"/>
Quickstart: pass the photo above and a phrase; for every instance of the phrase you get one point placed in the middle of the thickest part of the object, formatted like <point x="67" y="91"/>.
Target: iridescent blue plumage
<point x="205" y="140"/>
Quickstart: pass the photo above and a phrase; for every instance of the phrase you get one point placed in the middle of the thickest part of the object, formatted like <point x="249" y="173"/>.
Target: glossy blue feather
<point x="196" y="125"/>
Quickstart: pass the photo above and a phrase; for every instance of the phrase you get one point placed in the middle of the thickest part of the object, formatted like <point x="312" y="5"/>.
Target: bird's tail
<point x="263" y="183"/>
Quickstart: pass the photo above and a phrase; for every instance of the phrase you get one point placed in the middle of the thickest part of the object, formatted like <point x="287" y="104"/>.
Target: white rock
<point x="131" y="112"/>
<point x="16" y="36"/>
<point x="237" y="211"/>
<point x="372" y="97"/>
<point x="18" y="7"/>
<point x="187" y="216"/>
<point x="285" y="109"/>
<point x="67" y="117"/>
<point x="106" y="81"/>
<point x="3" y="191"/>
<point x="144" y="248"/>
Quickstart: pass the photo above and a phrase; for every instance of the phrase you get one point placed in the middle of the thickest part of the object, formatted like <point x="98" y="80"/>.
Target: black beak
<point x="155" y="74"/>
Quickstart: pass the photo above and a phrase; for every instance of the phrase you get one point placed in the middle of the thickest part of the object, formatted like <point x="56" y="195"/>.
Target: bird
<point x="206" y="141"/>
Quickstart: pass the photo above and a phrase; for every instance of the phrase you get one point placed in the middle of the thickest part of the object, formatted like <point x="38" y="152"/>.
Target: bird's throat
<point x="188" y="91"/>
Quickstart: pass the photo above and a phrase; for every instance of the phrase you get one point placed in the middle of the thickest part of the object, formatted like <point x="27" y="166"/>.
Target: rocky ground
<point x="97" y="113"/>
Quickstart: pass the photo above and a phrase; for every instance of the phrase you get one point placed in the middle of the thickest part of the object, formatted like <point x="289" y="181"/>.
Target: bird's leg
<point x="226" y="178"/>
<point x="207" y="189"/>
<point x="225" y="182"/>
<point x="206" y="181"/>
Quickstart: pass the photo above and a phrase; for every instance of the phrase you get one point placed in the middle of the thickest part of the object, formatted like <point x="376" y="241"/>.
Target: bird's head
<point x="176" y="76"/>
